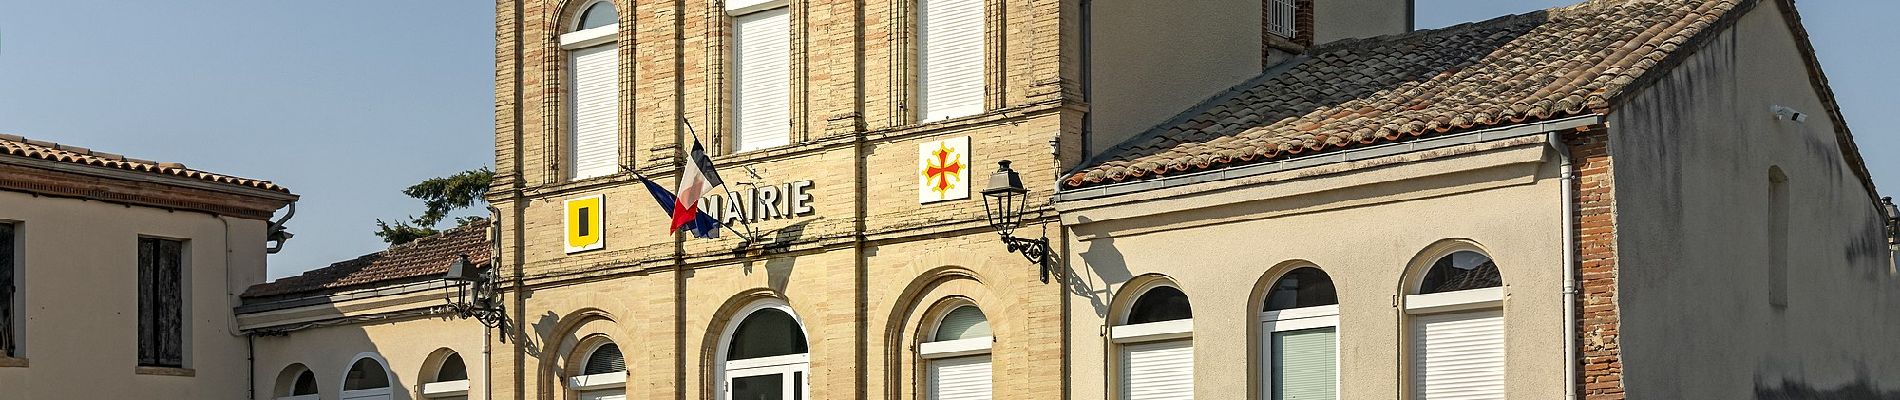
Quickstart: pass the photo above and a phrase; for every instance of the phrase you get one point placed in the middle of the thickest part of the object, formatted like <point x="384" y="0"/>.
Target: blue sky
<point x="349" y="101"/>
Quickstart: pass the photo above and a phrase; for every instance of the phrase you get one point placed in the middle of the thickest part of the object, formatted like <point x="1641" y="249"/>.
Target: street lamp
<point x="1003" y="203"/>
<point x="475" y="294"/>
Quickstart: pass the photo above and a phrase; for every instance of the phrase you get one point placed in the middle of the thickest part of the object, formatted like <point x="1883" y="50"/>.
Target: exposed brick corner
<point x="1597" y="328"/>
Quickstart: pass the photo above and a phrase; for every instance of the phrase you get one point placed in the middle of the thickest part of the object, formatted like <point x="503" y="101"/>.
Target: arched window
<point x="1457" y="328"/>
<point x="761" y="73"/>
<point x="449" y="381"/>
<point x="367" y="379"/>
<point x="296" y="382"/>
<point x="764" y="356"/>
<point x="950" y="64"/>
<point x="1299" y="333"/>
<point x="593" y="91"/>
<point x="958" y="356"/>
<point x="1156" y="344"/>
<point x="602" y="374"/>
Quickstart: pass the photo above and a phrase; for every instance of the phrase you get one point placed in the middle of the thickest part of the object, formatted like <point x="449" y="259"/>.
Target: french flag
<point x="698" y="179"/>
<point x="702" y="225"/>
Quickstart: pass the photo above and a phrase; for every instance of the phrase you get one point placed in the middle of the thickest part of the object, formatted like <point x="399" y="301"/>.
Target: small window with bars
<point x="161" y="303"/>
<point x="1281" y="17"/>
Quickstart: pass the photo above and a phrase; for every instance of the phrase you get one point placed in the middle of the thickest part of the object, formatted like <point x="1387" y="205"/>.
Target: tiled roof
<point x="1521" y="68"/>
<point x="425" y="258"/>
<point x="12" y="145"/>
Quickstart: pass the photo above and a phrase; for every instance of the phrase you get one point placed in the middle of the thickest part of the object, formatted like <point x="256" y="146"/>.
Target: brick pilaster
<point x="1601" y="353"/>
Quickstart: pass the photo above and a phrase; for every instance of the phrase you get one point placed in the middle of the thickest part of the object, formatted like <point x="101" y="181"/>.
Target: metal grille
<point x="1280" y="15"/>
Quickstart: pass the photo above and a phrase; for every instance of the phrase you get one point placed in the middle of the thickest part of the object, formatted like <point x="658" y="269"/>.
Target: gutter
<point x="1569" y="182"/>
<point x="134" y="176"/>
<point x="1369" y="152"/>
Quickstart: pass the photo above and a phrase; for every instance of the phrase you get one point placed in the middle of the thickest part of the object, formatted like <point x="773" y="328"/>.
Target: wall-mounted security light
<point x="1788" y="114"/>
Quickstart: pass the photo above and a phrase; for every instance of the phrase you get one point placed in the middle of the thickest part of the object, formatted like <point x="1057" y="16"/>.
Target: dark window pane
<point x="306" y="384"/>
<point x="6" y="290"/>
<point x="1464" y="270"/>
<point x="1163" y="303"/>
<point x="161" y="303"/>
<point x="453" y="369"/>
<point x="762" y="387"/>
<point x="768" y="332"/>
<point x="366" y="374"/>
<point x="606" y="359"/>
<point x="1304" y="287"/>
<point x="598" y="15"/>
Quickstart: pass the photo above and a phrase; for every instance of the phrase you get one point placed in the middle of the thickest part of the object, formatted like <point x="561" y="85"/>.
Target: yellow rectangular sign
<point x="586" y="224"/>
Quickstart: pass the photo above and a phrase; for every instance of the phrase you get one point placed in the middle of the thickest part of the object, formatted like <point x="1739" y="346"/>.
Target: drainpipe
<point x="1569" y="181"/>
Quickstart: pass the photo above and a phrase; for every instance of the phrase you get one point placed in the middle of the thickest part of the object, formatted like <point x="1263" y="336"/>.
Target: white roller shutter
<point x="762" y="80"/>
<point x="1305" y="364"/>
<point x="1158" y="370"/>
<point x="962" y="378"/>
<point x="593" y="133"/>
<point x="1458" y="356"/>
<point x="950" y="55"/>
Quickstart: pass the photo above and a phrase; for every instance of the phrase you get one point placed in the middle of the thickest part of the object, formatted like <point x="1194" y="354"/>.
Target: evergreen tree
<point x="439" y="196"/>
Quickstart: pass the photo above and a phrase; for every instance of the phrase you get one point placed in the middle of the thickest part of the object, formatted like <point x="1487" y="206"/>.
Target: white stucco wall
<point x="81" y="286"/>
<point x="405" y="345"/>
<point x="1149" y="61"/>
<point x="1363" y="227"/>
<point x="1692" y="157"/>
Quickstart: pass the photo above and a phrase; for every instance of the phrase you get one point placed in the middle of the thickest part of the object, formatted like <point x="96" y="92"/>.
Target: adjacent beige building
<point x="1648" y="199"/>
<point x="118" y="275"/>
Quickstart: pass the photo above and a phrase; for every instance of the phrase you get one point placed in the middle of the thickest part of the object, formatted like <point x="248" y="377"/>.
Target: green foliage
<point x="439" y="196"/>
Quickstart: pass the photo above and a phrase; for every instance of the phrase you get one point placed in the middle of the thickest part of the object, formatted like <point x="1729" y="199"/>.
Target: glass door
<point x="780" y="381"/>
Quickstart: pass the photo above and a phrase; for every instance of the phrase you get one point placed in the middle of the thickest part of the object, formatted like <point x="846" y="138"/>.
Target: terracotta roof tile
<point x="1521" y="68"/>
<point x="12" y="145"/>
<point x="425" y="258"/>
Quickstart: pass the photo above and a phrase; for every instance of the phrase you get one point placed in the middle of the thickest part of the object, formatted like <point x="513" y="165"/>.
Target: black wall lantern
<point x="475" y="294"/>
<point x="1003" y="203"/>
<point x="1893" y="220"/>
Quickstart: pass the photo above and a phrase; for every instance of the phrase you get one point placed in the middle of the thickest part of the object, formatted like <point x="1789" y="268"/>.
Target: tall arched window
<point x="296" y="383"/>
<point x="958" y="356"/>
<point x="593" y="61"/>
<point x="764" y="356"/>
<point x="761" y="73"/>
<point x="950" y="62"/>
<point x="1156" y="344"/>
<point x="1299" y="335"/>
<point x="367" y="379"/>
<point x="449" y="381"/>
<point x="602" y="374"/>
<point x="1457" y="328"/>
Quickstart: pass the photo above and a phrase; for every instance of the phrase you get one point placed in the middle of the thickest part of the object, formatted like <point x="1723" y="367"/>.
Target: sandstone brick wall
<point x="857" y="271"/>
<point x="1602" y="365"/>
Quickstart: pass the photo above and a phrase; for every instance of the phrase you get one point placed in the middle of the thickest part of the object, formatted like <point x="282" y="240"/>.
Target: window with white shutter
<point x="602" y="375"/>
<point x="950" y="58"/>
<point x="958" y="356"/>
<point x="1457" y="329"/>
<point x="1300" y="337"/>
<point x="593" y="131"/>
<point x="1157" y="345"/>
<point x="1158" y="370"/>
<point x="761" y="77"/>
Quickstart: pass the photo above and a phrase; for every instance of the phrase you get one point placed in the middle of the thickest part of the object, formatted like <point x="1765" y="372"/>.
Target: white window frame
<point x="577" y="38"/>
<point x="1284" y="14"/>
<point x="734" y="10"/>
<point x="1295" y="319"/>
<point x="1450" y="302"/>
<point x="1453" y="302"/>
<point x="445" y="389"/>
<point x="787" y="364"/>
<point x="921" y="99"/>
<point x="574" y="40"/>
<point x="386" y="392"/>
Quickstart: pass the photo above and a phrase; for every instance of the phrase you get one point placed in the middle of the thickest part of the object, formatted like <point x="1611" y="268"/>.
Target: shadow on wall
<point x="1106" y="262"/>
<point x="1860" y="390"/>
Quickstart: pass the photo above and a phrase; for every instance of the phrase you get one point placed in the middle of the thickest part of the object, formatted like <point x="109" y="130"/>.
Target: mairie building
<point x="1115" y="199"/>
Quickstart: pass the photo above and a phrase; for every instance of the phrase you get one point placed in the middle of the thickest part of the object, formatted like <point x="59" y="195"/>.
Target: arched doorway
<point x="764" y="356"/>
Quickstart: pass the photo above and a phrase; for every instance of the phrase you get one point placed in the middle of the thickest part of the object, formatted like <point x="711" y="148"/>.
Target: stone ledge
<point x="165" y="371"/>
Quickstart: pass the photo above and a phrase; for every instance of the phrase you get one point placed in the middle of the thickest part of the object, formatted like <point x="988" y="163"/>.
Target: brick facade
<point x="1601" y="357"/>
<point x="862" y="272"/>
